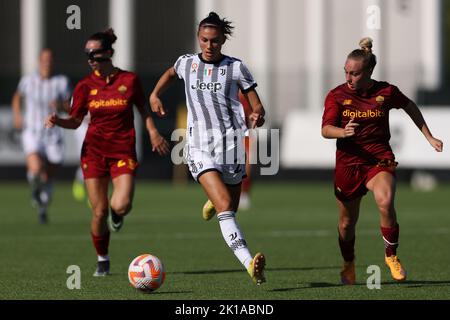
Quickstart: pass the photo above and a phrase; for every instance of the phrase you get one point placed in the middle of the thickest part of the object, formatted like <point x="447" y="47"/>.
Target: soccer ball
<point x="146" y="273"/>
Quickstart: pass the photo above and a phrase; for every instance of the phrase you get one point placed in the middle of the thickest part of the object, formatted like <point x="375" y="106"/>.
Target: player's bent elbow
<point x="325" y="133"/>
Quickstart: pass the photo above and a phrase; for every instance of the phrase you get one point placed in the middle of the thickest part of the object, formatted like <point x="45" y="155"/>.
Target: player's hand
<point x="256" y="120"/>
<point x="159" y="144"/>
<point x="436" y="144"/>
<point x="349" y="129"/>
<point x="157" y="106"/>
<point x="50" y="122"/>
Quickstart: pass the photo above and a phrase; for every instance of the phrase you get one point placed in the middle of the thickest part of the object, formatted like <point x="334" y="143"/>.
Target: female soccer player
<point x="41" y="94"/>
<point x="216" y="126"/>
<point x="109" y="94"/>
<point x="357" y="115"/>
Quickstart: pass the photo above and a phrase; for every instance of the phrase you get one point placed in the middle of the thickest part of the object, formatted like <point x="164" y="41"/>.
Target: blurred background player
<point x="78" y="189"/>
<point x="357" y="115"/>
<point x="108" y="94"/>
<point x="39" y="95"/>
<point x="215" y="115"/>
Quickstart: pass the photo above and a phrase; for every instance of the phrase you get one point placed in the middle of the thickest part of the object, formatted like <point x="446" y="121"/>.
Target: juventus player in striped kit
<point x="216" y="124"/>
<point x="41" y="94"/>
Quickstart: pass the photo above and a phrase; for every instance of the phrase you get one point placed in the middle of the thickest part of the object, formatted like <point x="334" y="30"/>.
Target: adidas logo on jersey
<point x="211" y="86"/>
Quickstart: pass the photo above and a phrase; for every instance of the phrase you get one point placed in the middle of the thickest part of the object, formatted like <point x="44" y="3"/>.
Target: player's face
<point x="46" y="63"/>
<point x="94" y="45"/>
<point x="356" y="75"/>
<point x="210" y="40"/>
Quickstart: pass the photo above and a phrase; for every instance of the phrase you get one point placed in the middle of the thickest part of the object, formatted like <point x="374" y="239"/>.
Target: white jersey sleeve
<point x="245" y="79"/>
<point x="22" y="86"/>
<point x="180" y="65"/>
<point x="64" y="89"/>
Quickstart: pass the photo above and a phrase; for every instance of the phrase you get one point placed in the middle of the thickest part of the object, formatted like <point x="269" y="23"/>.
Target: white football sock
<point x="234" y="237"/>
<point x="103" y="258"/>
<point x="34" y="180"/>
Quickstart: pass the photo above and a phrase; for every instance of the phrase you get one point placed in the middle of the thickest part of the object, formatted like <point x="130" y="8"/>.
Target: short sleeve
<point x="79" y="107"/>
<point x="245" y="80"/>
<point x="65" y="88"/>
<point x="178" y="66"/>
<point x="138" y="93"/>
<point x="331" y="111"/>
<point x="398" y="100"/>
<point x="22" y="86"/>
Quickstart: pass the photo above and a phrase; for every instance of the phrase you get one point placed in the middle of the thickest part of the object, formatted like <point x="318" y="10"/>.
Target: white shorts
<point x="48" y="144"/>
<point x="232" y="168"/>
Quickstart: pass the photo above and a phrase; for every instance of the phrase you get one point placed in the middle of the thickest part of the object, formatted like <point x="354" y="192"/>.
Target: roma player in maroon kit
<point x="108" y="94"/>
<point x="357" y="115"/>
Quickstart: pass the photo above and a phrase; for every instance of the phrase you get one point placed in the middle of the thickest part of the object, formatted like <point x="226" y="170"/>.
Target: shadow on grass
<point x="407" y="284"/>
<point x="419" y="283"/>
<point x="267" y="269"/>
<point x="167" y="292"/>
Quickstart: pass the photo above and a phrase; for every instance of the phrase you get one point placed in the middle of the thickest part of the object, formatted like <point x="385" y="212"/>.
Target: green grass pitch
<point x="293" y="224"/>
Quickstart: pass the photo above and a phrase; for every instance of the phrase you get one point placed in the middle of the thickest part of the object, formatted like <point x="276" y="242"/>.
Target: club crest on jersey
<point x="93" y="92"/>
<point x="379" y="99"/>
<point x="222" y="71"/>
<point x="211" y="86"/>
<point x="122" y="89"/>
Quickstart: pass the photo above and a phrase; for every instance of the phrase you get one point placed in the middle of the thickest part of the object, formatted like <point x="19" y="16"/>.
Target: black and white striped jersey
<point x="212" y="97"/>
<point x="38" y="93"/>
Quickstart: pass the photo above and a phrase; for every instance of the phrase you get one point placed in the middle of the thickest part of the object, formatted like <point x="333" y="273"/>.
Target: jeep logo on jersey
<point x="211" y="86"/>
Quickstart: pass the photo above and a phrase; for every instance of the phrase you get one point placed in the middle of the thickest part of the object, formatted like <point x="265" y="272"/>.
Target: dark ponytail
<point x="213" y="20"/>
<point x="106" y="38"/>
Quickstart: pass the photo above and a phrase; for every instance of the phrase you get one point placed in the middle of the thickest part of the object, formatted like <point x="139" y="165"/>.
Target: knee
<point x="121" y="207"/>
<point x="224" y="204"/>
<point x="384" y="202"/>
<point x="99" y="212"/>
<point x="347" y="224"/>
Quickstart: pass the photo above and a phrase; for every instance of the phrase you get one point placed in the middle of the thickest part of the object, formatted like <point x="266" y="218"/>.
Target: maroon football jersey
<point x="111" y="129"/>
<point x="371" y="111"/>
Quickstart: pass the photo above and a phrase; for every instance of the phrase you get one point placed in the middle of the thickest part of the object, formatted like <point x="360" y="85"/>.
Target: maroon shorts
<point x="350" y="181"/>
<point x="98" y="166"/>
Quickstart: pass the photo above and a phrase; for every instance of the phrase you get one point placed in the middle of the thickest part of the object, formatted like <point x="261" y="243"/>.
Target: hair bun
<point x="366" y="44"/>
<point x="214" y="15"/>
<point x="111" y="35"/>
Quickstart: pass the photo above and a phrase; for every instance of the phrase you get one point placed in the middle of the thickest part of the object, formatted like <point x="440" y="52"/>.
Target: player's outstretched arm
<point x="257" y="116"/>
<point x="66" y="123"/>
<point x="332" y="132"/>
<point x="414" y="113"/>
<point x="164" y="82"/>
<point x="159" y="144"/>
<point x="16" y="110"/>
